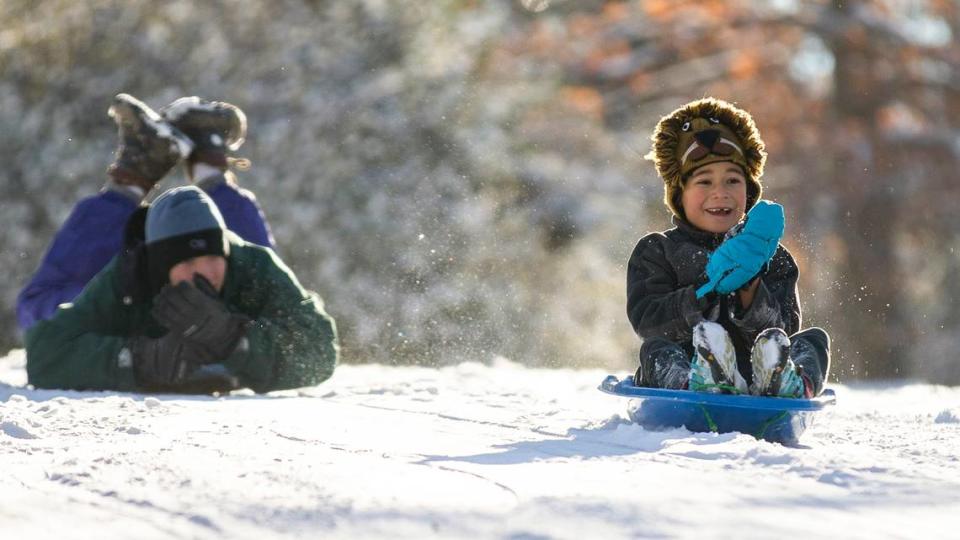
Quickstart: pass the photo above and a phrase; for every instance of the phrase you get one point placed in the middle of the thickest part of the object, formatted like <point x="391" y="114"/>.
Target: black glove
<point x="197" y="315"/>
<point x="166" y="363"/>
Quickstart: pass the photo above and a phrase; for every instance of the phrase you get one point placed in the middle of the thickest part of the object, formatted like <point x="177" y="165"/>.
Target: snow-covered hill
<point x="467" y="451"/>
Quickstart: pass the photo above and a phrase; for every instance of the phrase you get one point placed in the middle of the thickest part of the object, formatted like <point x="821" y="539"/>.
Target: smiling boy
<point x="715" y="298"/>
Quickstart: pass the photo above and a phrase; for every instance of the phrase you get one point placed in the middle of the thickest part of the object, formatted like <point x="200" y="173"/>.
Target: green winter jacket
<point x="291" y="343"/>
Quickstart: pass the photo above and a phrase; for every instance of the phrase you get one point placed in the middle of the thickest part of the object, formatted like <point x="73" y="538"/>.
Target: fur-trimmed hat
<point x="702" y="132"/>
<point x="214" y="126"/>
<point x="149" y="146"/>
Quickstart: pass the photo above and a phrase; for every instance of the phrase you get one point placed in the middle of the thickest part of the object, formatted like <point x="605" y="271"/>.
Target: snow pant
<point x="666" y="364"/>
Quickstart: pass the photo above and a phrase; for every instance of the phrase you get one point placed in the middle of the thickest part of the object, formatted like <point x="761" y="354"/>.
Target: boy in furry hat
<point x="715" y="298"/>
<point x="216" y="129"/>
<point x="192" y="308"/>
<point x="93" y="233"/>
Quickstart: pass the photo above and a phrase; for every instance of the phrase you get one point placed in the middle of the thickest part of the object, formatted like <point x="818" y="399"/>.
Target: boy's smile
<point x="719" y="211"/>
<point x="715" y="196"/>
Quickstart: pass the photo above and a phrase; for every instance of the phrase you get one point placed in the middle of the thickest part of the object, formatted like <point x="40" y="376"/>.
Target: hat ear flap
<point x="754" y="191"/>
<point x="237" y="133"/>
<point x="675" y="200"/>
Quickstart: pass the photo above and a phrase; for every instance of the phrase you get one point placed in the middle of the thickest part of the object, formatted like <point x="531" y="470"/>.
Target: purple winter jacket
<point x="240" y="210"/>
<point x="93" y="234"/>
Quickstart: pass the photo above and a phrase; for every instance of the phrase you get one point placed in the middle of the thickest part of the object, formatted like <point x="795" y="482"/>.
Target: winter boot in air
<point x="715" y="364"/>
<point x="774" y="373"/>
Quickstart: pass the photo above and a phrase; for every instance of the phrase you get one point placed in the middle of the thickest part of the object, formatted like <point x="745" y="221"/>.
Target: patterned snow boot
<point x="714" y="367"/>
<point x="774" y="373"/>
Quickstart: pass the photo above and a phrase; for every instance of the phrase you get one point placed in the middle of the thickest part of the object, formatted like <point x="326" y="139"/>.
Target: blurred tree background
<point x="464" y="179"/>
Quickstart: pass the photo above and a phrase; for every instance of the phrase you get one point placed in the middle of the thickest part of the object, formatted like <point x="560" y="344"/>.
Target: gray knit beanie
<point x="182" y="223"/>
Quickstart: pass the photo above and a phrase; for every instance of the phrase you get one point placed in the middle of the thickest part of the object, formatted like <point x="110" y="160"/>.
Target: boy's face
<point x="714" y="198"/>
<point x="212" y="267"/>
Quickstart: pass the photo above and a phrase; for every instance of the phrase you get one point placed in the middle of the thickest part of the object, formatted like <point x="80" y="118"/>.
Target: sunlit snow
<point x="464" y="451"/>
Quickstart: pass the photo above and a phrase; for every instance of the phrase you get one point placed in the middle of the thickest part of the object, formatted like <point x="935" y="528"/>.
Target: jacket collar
<point x="210" y="183"/>
<point x="134" y="193"/>
<point x="700" y="236"/>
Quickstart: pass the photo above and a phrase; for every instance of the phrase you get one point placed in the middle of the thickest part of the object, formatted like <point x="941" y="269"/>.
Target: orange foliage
<point x="744" y="64"/>
<point x="718" y="9"/>
<point x="857" y="36"/>
<point x="640" y="82"/>
<point x="584" y="99"/>
<point x="581" y="26"/>
<point x="540" y="40"/>
<point x="616" y="11"/>
<point x="659" y="9"/>
<point x="595" y="60"/>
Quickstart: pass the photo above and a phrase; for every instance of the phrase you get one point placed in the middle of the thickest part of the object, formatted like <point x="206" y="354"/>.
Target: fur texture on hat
<point x="702" y="132"/>
<point x="149" y="146"/>
<point x="215" y="127"/>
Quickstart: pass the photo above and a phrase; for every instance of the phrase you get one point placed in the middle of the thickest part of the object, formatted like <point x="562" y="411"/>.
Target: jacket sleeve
<point x="291" y="342"/>
<point x="79" y="347"/>
<point x="776" y="303"/>
<point x="85" y="243"/>
<point x="49" y="287"/>
<point x="657" y="305"/>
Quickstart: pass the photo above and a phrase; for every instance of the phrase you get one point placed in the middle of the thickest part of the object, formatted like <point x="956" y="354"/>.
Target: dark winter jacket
<point x="239" y="209"/>
<point x="665" y="271"/>
<point x="291" y="343"/>
<point x="93" y="234"/>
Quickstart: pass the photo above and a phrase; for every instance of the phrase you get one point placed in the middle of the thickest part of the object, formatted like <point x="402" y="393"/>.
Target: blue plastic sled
<point x="780" y="420"/>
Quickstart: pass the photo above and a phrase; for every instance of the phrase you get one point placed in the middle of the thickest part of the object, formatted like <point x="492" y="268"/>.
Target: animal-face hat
<point x="703" y="132"/>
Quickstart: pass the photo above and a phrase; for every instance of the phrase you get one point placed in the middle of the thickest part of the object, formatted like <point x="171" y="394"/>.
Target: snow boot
<point x="715" y="364"/>
<point x="774" y="373"/>
<point x="810" y="352"/>
<point x="663" y="364"/>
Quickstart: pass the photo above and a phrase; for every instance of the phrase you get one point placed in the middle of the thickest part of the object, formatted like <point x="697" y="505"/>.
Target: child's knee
<point x="652" y="345"/>
<point x="660" y="358"/>
<point x="815" y="335"/>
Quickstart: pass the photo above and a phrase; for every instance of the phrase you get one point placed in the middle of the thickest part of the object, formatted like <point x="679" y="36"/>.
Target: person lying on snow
<point x="188" y="307"/>
<point x="93" y="233"/>
<point x="151" y="145"/>
<point x="715" y="298"/>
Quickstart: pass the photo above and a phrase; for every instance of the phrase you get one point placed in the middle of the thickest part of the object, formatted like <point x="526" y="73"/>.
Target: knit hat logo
<point x="181" y="224"/>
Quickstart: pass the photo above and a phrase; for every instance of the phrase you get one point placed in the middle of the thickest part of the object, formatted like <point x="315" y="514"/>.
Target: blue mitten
<point x="740" y="258"/>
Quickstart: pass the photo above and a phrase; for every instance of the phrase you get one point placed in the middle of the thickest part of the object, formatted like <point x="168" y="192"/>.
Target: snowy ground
<point x="466" y="451"/>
